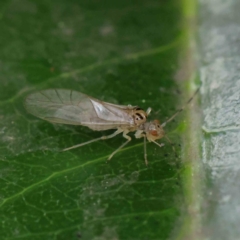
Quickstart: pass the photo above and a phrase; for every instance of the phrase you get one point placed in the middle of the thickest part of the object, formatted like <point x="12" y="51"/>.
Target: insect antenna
<point x="181" y="109"/>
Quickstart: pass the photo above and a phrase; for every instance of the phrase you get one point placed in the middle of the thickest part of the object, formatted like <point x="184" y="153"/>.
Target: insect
<point x="76" y="108"/>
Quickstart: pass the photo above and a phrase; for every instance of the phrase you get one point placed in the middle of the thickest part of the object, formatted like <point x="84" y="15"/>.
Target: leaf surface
<point x="117" y="51"/>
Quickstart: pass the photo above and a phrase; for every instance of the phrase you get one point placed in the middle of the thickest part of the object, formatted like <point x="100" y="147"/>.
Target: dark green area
<point x="118" y="51"/>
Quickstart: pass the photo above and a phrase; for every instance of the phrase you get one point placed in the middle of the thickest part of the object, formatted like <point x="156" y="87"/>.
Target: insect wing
<point x="75" y="108"/>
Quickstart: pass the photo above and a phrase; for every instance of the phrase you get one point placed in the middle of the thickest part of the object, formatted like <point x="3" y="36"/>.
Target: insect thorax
<point x="139" y="116"/>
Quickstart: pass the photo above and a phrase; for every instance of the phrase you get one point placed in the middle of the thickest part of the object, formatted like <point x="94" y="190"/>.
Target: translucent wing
<point x="75" y="108"/>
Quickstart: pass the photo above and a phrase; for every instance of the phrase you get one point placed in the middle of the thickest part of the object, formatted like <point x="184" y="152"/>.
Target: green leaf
<point x="117" y="51"/>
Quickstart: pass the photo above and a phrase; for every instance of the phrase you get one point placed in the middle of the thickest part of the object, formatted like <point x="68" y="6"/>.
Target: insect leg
<point x="94" y="140"/>
<point x="128" y="140"/>
<point x="145" y="150"/>
<point x="171" y="144"/>
<point x="160" y="145"/>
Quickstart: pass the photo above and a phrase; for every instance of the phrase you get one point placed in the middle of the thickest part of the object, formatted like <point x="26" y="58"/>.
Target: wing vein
<point x="46" y="96"/>
<point x="59" y="96"/>
<point x="71" y="97"/>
